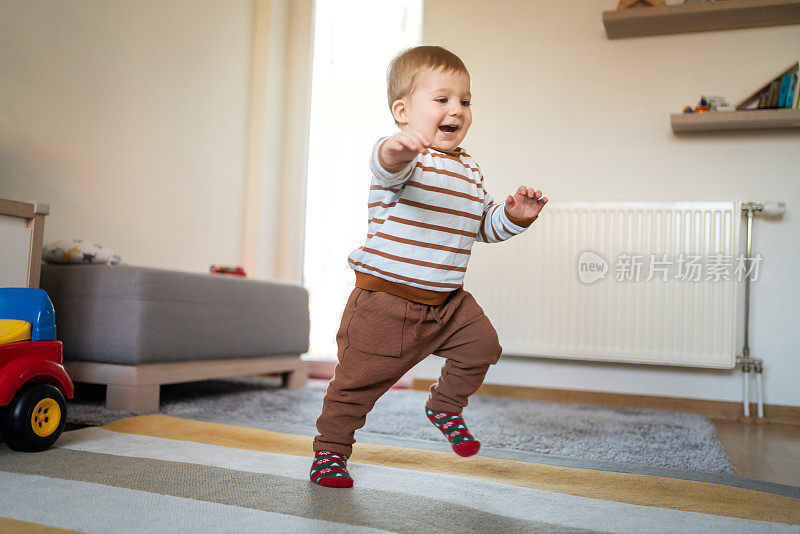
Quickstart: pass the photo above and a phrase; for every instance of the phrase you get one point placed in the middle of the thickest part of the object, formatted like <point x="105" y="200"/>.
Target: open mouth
<point x="448" y="129"/>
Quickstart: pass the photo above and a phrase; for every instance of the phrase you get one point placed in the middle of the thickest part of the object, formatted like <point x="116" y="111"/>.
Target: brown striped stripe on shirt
<point x="430" y="226"/>
<point x="406" y="278"/>
<point x="453" y="158"/>
<point x="413" y="261"/>
<point x="448" y="173"/>
<point x="421" y="243"/>
<point x="442" y="190"/>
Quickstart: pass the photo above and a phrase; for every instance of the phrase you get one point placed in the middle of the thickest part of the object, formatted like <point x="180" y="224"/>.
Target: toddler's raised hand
<point x="525" y="203"/>
<point x="399" y="149"/>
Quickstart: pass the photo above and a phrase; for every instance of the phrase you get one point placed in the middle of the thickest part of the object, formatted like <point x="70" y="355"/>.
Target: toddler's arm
<point x="525" y="203"/>
<point x="392" y="157"/>
<point x="503" y="221"/>
<point x="397" y="151"/>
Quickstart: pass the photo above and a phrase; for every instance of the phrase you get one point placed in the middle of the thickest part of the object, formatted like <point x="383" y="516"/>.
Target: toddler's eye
<point x="442" y="100"/>
<point x="466" y="103"/>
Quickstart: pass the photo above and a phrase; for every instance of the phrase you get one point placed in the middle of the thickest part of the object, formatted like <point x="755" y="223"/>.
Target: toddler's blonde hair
<point x="404" y="68"/>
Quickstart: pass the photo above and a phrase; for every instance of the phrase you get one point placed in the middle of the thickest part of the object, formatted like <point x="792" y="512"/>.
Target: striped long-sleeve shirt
<point x="423" y="221"/>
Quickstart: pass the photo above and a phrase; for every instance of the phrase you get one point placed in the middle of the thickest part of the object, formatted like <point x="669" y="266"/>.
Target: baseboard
<point x="709" y="408"/>
<point x="320" y="369"/>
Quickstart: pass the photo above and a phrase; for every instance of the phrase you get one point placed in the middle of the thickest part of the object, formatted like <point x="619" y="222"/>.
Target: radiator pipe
<point x="745" y="360"/>
<point x="746" y="349"/>
<point x="746" y="383"/>
<point x="760" y="393"/>
<point x="750" y="365"/>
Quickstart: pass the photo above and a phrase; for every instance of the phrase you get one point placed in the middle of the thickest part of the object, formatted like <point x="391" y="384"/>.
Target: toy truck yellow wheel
<point x="46" y="417"/>
<point x="35" y="418"/>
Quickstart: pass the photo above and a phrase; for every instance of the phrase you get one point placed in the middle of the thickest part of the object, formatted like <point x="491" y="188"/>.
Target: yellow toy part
<point x="12" y="330"/>
<point x="46" y="417"/>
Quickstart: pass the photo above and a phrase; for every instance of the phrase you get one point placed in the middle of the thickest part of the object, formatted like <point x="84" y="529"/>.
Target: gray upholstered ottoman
<point x="135" y="328"/>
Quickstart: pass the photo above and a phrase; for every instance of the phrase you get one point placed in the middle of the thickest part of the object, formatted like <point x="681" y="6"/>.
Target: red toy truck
<point x="33" y="382"/>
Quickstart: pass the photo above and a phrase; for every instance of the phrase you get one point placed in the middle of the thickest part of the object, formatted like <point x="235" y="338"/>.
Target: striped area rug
<point x="158" y="473"/>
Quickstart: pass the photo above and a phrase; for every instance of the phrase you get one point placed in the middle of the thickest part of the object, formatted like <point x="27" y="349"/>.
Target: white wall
<point x="560" y="107"/>
<point x="130" y="118"/>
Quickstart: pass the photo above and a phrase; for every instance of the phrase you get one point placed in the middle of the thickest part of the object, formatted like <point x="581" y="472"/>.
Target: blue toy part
<point x="31" y="305"/>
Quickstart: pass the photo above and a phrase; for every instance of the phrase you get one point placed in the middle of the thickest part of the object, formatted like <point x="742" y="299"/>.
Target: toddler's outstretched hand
<point x="525" y="203"/>
<point x="399" y="149"/>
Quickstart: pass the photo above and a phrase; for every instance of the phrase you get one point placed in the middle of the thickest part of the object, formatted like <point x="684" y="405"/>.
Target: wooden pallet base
<point x="137" y="387"/>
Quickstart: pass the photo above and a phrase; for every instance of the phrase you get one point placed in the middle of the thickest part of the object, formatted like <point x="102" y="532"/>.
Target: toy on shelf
<point x="719" y="103"/>
<point x="701" y="107"/>
<point x="33" y="381"/>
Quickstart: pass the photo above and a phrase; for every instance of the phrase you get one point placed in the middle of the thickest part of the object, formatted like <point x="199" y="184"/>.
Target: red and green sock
<point x="454" y="428"/>
<point x="330" y="469"/>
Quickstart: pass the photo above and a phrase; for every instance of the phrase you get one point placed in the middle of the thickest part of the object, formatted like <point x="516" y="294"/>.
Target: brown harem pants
<point x="382" y="336"/>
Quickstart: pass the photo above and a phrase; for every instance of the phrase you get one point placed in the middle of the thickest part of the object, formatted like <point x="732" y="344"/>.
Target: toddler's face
<point x="438" y="108"/>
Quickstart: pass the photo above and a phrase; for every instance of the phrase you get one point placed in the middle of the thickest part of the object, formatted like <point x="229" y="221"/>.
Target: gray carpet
<point x="583" y="432"/>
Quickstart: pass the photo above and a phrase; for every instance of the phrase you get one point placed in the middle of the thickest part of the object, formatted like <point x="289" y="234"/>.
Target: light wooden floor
<point x="765" y="452"/>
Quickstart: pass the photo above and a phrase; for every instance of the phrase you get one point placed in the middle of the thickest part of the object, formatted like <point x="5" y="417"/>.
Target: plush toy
<point x="79" y="251"/>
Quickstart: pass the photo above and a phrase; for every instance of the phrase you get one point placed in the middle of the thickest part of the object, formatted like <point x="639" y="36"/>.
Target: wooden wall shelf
<point x="720" y="121"/>
<point x="700" y="17"/>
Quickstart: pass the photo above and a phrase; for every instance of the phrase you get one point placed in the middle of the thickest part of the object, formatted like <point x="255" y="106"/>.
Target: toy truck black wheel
<point x="35" y="418"/>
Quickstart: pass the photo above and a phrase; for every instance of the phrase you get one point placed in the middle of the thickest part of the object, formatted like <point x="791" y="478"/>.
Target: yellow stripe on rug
<point x="15" y="526"/>
<point x="643" y="490"/>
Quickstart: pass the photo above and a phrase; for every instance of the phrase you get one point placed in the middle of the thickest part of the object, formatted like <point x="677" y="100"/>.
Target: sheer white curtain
<point x="354" y="40"/>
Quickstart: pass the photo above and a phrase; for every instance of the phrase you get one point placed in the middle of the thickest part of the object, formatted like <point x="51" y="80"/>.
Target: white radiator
<point x="686" y="314"/>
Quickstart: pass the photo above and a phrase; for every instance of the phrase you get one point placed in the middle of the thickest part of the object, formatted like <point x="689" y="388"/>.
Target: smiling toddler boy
<point x="427" y="206"/>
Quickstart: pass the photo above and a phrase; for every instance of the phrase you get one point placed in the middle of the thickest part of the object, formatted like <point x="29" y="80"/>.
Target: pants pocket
<point x="377" y="324"/>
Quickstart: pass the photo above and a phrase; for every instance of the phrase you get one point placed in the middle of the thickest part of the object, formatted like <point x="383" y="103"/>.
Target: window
<point x="354" y="41"/>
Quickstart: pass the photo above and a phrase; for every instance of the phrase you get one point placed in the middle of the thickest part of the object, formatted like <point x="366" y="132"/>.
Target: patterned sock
<point x="330" y="469"/>
<point x="455" y="430"/>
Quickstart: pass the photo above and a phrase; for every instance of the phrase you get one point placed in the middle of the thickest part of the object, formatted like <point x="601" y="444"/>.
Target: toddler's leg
<point x="468" y="353"/>
<point x="352" y="393"/>
<point x="370" y="362"/>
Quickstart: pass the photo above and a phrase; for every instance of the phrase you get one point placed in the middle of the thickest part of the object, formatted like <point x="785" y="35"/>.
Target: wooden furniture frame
<point x="699" y="17"/>
<point x="34" y="214"/>
<point x="137" y="387"/>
